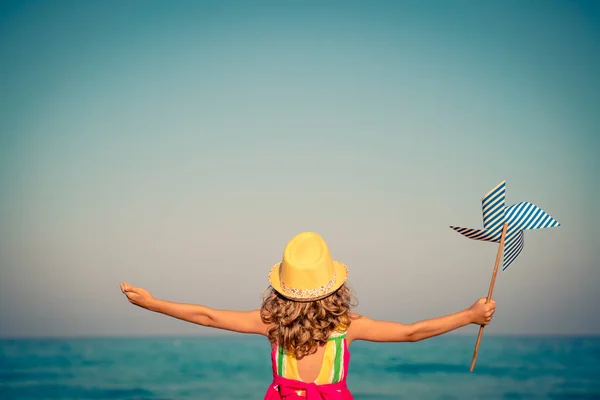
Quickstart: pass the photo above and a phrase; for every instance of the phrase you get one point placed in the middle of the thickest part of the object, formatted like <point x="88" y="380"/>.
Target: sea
<point x="238" y="367"/>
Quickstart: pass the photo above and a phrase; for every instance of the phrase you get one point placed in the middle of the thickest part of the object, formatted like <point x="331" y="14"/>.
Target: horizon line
<point x="236" y="334"/>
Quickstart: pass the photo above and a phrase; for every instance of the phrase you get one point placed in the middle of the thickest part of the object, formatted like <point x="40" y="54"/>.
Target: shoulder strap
<point x="337" y="334"/>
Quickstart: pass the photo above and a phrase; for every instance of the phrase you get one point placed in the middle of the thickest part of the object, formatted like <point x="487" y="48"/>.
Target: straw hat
<point x="307" y="271"/>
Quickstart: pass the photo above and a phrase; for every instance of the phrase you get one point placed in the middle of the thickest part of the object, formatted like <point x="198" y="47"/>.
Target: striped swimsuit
<point x="330" y="383"/>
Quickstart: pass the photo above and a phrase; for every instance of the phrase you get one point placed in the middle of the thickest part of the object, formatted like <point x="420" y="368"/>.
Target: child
<point x="307" y="319"/>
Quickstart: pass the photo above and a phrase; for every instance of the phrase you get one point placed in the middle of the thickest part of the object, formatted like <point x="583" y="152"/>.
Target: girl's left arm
<point x="363" y="328"/>
<point x="236" y="321"/>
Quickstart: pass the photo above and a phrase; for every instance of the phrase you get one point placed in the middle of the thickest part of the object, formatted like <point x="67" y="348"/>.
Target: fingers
<point x="491" y="305"/>
<point x="127" y="288"/>
<point x="490" y="309"/>
<point x="486" y="310"/>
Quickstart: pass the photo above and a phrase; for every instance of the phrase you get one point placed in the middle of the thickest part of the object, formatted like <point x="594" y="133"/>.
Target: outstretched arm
<point x="236" y="321"/>
<point x="363" y="328"/>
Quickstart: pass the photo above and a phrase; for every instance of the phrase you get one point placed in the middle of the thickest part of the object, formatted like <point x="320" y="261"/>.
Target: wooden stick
<point x="489" y="296"/>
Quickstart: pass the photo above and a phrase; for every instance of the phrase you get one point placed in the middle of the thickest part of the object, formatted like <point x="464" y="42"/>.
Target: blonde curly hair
<point x="301" y="327"/>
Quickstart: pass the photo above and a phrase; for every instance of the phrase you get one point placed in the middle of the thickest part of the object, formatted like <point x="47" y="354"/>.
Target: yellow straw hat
<point x="307" y="271"/>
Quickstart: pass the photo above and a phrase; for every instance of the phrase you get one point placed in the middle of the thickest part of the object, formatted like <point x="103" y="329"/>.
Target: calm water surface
<point x="238" y="367"/>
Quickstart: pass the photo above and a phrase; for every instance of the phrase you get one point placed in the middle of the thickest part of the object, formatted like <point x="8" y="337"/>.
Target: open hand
<point x="483" y="312"/>
<point x="136" y="295"/>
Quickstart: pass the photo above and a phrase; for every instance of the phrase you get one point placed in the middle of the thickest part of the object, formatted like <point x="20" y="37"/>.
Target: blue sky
<point x="179" y="145"/>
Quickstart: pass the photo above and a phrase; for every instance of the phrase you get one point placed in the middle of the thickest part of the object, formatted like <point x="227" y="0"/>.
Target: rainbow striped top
<point x="332" y="368"/>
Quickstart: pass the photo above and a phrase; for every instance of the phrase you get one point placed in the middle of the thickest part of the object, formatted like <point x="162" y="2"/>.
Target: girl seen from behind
<point x="307" y="318"/>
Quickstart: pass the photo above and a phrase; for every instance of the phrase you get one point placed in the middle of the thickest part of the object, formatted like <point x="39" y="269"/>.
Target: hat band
<point x="309" y="293"/>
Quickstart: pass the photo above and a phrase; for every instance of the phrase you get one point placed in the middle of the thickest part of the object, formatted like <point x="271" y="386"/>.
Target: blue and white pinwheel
<point x="521" y="216"/>
<point x="505" y="225"/>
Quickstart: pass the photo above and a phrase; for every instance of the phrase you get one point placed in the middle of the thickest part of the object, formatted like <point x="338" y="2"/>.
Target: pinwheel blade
<point x="493" y="205"/>
<point x="513" y="244"/>
<point x="526" y="215"/>
<point x="477" y="234"/>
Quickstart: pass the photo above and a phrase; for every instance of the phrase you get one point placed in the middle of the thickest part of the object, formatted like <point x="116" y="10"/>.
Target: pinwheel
<point x="505" y="225"/>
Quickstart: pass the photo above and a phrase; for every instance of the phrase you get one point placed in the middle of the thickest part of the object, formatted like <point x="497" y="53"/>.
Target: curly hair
<point x="301" y="327"/>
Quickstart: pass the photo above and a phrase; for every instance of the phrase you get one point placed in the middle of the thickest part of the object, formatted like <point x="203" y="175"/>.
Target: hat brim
<point x="341" y="274"/>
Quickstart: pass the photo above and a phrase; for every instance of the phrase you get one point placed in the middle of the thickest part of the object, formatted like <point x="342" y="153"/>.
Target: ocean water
<point x="238" y="367"/>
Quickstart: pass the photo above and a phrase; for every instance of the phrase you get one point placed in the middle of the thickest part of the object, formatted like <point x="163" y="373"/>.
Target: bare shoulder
<point x="357" y="325"/>
<point x="262" y="327"/>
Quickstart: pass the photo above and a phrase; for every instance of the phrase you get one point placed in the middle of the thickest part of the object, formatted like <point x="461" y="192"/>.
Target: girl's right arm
<point x="236" y="321"/>
<point x="363" y="328"/>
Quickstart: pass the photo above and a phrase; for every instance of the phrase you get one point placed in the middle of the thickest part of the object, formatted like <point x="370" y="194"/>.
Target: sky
<point x="178" y="146"/>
